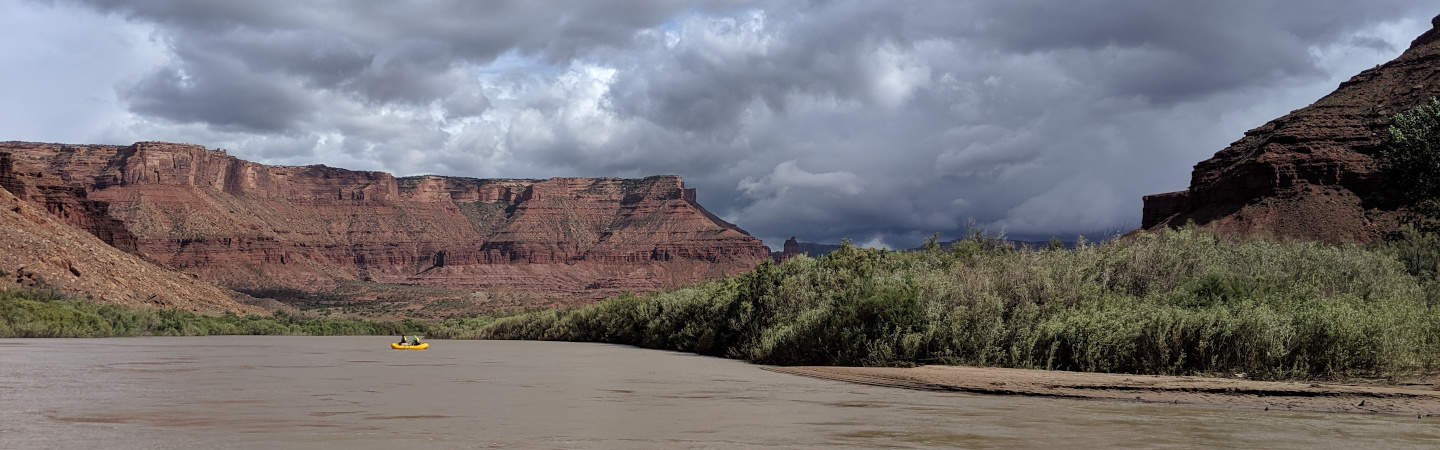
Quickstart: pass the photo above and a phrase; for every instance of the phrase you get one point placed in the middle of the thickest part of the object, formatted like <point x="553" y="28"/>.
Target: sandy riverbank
<point x="1413" y="399"/>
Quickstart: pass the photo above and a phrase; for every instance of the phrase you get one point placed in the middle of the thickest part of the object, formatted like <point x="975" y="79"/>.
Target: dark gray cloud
<point x="1173" y="51"/>
<point x="880" y="121"/>
<point x="221" y="92"/>
<point x="387" y="50"/>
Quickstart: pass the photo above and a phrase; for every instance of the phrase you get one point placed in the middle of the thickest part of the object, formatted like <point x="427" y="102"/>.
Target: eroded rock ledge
<point x="246" y="225"/>
<point x="1310" y="174"/>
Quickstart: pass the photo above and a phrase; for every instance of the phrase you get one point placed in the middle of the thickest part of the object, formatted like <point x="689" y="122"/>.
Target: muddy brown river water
<point x="354" y="392"/>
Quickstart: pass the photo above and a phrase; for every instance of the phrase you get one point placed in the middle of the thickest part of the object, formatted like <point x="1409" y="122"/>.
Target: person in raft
<point x="402" y="340"/>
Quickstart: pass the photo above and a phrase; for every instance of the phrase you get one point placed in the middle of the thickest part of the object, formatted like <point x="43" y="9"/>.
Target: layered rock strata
<point x="1311" y="174"/>
<point x="38" y="250"/>
<point x="248" y="225"/>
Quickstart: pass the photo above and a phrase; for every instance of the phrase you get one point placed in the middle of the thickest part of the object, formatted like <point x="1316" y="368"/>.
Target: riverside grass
<point x="45" y="313"/>
<point x="1180" y="302"/>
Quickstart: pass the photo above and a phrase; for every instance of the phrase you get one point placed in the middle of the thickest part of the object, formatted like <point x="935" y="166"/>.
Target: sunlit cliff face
<point x="245" y="225"/>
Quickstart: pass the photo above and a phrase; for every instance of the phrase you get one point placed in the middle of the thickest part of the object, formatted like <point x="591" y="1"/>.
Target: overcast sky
<point x="876" y="120"/>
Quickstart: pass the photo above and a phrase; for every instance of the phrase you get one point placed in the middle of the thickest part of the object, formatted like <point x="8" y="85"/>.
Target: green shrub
<point x="1410" y="162"/>
<point x="43" y="313"/>
<point x="1173" y="302"/>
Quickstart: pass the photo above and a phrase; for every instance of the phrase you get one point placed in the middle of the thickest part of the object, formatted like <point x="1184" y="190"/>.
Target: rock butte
<point x="1311" y="173"/>
<point x="246" y="225"/>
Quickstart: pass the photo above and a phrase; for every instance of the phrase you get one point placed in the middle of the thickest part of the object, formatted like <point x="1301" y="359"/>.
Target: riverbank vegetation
<point x="1171" y="302"/>
<point x="1178" y="302"/>
<point x="46" y="313"/>
<point x="1410" y="164"/>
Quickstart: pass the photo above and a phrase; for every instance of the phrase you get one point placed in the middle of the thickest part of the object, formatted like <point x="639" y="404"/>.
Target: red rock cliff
<point x="249" y="225"/>
<point x="39" y="250"/>
<point x="1310" y="174"/>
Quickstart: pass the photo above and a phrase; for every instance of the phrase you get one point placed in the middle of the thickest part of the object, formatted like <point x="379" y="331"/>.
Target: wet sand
<point x="1418" y="400"/>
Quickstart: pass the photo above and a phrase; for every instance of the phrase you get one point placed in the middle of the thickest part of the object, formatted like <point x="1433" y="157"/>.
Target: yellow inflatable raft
<point x="422" y="346"/>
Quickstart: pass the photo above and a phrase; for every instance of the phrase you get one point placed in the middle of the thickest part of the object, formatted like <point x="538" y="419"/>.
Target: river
<point x="354" y="392"/>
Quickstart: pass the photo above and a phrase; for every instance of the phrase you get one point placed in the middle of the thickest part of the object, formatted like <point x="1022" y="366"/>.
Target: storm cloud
<point x="878" y="121"/>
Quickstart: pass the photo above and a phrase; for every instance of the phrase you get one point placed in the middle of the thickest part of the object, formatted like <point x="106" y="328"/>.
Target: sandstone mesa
<point x="245" y="225"/>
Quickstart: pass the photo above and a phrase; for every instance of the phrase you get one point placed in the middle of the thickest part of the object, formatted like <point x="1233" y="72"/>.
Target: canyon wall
<point x="39" y="251"/>
<point x="253" y="226"/>
<point x="1311" y="174"/>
